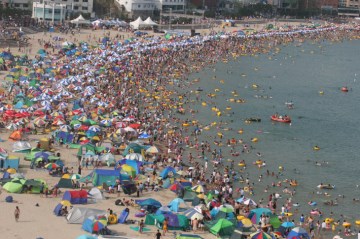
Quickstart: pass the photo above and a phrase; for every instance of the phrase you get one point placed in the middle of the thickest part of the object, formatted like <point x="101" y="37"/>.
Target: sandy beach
<point x="36" y="212"/>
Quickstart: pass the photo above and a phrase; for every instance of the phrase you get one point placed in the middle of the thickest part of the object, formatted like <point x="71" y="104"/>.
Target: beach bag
<point x="9" y="199"/>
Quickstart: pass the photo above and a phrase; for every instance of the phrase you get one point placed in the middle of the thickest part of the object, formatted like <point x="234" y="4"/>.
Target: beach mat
<point x="74" y="146"/>
<point x="136" y="228"/>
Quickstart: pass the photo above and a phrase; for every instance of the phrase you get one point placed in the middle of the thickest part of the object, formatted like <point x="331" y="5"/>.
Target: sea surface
<point x="311" y="76"/>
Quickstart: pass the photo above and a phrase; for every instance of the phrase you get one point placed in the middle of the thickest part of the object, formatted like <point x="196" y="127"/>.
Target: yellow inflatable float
<point x="288" y="214"/>
<point x="357" y="222"/>
<point x="112" y="219"/>
<point x="186" y="124"/>
<point x="218" y="113"/>
<point x="241" y="131"/>
<point x="316" y="148"/>
<point x="203" y="104"/>
<point x="242" y="164"/>
<point x="228" y="108"/>
<point x="254" y="140"/>
<point x="346" y="224"/>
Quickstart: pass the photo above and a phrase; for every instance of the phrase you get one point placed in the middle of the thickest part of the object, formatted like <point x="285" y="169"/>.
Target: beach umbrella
<point x="66" y="176"/>
<point x="129" y="170"/>
<point x="135" y="126"/>
<point x="261" y="235"/>
<point x="226" y="208"/>
<point x="120" y="125"/>
<point x="75" y="176"/>
<point x="98" y="225"/>
<point x="50" y="166"/>
<point x="153" y="150"/>
<point x="135" y="156"/>
<point x="298" y="232"/>
<point x="198" y="189"/>
<point x="65" y="128"/>
<point x="11" y="170"/>
<point x="106" y="123"/>
<point x="249" y="202"/>
<point x="192" y="213"/>
<point x="288" y="224"/>
<point x="245" y="222"/>
<point x="256" y="213"/>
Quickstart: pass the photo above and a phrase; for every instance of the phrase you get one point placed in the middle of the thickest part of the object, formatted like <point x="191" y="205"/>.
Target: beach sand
<point x="41" y="222"/>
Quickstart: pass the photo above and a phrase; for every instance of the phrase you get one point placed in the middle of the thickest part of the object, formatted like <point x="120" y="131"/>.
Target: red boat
<point x="282" y="119"/>
<point x="344" y="89"/>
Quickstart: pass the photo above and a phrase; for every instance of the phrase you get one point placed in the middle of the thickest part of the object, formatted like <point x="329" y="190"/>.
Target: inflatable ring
<point x="186" y="124"/>
<point x="259" y="162"/>
<point x="316" y="148"/>
<point x="357" y="222"/>
<point x="203" y="103"/>
<point x="112" y="219"/>
<point x="346" y="224"/>
<point x="228" y="108"/>
<point x="246" y="189"/>
<point x="288" y="214"/>
<point x="254" y="140"/>
<point x="242" y="164"/>
<point x="329" y="220"/>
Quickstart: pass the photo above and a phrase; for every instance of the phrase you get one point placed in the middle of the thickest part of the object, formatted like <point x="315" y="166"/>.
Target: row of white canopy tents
<point x="80" y="20"/>
<point x="138" y="23"/>
<point x="116" y="22"/>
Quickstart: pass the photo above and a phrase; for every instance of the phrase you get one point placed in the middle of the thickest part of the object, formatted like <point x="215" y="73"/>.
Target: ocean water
<point x="296" y="73"/>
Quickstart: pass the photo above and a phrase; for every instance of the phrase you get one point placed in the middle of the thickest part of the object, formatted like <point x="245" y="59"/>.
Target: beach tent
<point x="150" y="22"/>
<point x="133" y="148"/>
<point x="129" y="188"/>
<point x="175" y="222"/>
<point x="57" y="209"/>
<point x="108" y="158"/>
<point x="21" y="146"/>
<point x="96" y="194"/>
<point x="175" y="205"/>
<point x="65" y="183"/>
<point x="101" y="176"/>
<point x="153" y="219"/>
<point x="12" y="161"/>
<point x="80" y="20"/>
<point x="223" y="228"/>
<point x="135" y="156"/>
<point x="188" y="236"/>
<point x="164" y="174"/>
<point x="86" y="237"/>
<point x="75" y="197"/>
<point x="86" y="148"/>
<point x="256" y="213"/>
<point x="137" y="23"/>
<point x="78" y="214"/>
<point x="148" y="202"/>
<point x="189" y="195"/>
<point x="163" y="210"/>
<point x="133" y="163"/>
<point x="14" y="186"/>
<point x="16" y="135"/>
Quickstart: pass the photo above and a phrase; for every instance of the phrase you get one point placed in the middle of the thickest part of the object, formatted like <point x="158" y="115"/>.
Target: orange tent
<point x="16" y="135"/>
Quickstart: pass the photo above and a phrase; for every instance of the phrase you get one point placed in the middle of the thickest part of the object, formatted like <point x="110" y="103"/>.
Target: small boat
<point x="326" y="186"/>
<point x="282" y="119"/>
<point x="252" y="119"/>
<point x="344" y="89"/>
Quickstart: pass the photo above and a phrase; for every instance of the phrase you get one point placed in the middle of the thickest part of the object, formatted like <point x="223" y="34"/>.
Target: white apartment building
<point x="59" y="10"/>
<point x="146" y="8"/>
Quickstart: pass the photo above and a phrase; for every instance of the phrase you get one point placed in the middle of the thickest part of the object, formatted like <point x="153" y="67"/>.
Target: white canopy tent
<point x="150" y="22"/>
<point x="80" y="20"/>
<point x="137" y="23"/>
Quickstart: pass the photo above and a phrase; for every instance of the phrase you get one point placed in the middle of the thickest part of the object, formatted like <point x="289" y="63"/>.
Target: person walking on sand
<point x="17" y="214"/>
<point x="165" y="227"/>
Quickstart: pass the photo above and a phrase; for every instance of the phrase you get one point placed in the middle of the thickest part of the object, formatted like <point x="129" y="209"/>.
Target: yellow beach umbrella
<point x="11" y="170"/>
<point x="65" y="203"/>
<point x="67" y="176"/>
